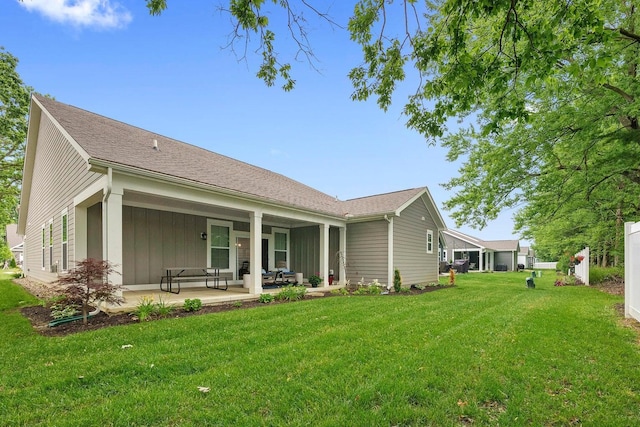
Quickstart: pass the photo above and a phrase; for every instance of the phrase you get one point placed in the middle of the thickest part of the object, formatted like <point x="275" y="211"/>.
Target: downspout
<point x="390" y="265"/>
<point x="105" y="221"/>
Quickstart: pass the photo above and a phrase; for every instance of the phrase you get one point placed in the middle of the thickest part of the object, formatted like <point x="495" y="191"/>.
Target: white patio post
<point x="255" y="249"/>
<point x="112" y="232"/>
<point x="343" y="257"/>
<point x="324" y="254"/>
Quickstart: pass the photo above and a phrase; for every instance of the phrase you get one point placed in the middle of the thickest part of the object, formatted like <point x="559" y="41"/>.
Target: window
<point x="43" y="241"/>
<point x="280" y="248"/>
<point x="65" y="237"/>
<point x="51" y="242"/>
<point x="429" y="241"/>
<point x="219" y="250"/>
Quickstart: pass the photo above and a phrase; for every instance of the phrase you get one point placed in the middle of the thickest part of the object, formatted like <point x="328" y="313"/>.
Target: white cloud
<point x="82" y="13"/>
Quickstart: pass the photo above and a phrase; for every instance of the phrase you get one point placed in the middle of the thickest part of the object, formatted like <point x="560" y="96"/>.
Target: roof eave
<point x="100" y="165"/>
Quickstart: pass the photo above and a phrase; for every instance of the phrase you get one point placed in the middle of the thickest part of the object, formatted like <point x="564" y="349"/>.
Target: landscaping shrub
<point x="145" y="308"/>
<point x="87" y="284"/>
<point x="397" y="280"/>
<point x="192" y="304"/>
<point x="265" y="298"/>
<point x="602" y="274"/>
<point x="291" y="293"/>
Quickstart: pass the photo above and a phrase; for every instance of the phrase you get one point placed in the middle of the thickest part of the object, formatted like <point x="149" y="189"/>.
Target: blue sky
<point x="171" y="75"/>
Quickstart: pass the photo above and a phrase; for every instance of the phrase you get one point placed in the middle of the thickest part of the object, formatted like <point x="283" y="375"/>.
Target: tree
<point x="88" y="284"/>
<point x="14" y="108"/>
<point x="550" y="89"/>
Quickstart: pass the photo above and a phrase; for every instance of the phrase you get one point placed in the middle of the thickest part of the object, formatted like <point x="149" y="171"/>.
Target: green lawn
<point x="487" y="352"/>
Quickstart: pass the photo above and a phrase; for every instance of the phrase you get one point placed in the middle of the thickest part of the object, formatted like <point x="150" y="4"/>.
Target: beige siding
<point x="410" y="245"/>
<point x="367" y="251"/>
<point x="153" y="240"/>
<point x="59" y="174"/>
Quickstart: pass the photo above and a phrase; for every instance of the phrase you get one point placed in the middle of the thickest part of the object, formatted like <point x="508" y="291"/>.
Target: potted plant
<point x="315" y="280"/>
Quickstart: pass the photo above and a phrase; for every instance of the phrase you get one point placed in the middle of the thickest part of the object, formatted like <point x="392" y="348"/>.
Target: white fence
<point x="632" y="270"/>
<point x="582" y="267"/>
<point x="544" y="265"/>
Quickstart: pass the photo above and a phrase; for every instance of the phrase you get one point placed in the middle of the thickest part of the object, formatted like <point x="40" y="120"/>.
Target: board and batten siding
<point x="59" y="174"/>
<point x="505" y="258"/>
<point x="153" y="240"/>
<point x="410" y="255"/>
<point x="367" y="251"/>
<point x="305" y="250"/>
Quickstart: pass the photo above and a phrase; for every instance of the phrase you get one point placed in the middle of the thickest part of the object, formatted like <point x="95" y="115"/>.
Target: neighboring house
<point x="95" y="187"/>
<point x="483" y="255"/>
<point x="526" y="257"/>
<point x="15" y="242"/>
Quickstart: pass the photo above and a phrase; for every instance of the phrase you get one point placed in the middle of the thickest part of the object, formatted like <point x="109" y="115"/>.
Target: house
<point x="526" y="257"/>
<point x="14" y="242"/>
<point x="94" y="187"/>
<point x="492" y="255"/>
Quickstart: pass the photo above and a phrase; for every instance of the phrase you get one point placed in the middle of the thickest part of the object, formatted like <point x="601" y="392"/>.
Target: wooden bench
<point x="176" y="275"/>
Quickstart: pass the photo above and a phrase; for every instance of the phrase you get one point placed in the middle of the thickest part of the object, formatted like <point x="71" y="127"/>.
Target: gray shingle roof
<point x="118" y="143"/>
<point x="381" y="203"/>
<point x="496" y="245"/>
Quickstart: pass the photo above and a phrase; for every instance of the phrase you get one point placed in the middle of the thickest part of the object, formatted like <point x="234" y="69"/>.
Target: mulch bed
<point x="40" y="316"/>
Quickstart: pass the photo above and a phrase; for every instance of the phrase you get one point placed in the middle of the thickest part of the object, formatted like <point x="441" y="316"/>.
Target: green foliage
<point x="599" y="275"/>
<point x="5" y="253"/>
<point x="373" y="288"/>
<point x="194" y="304"/>
<point x="12" y="263"/>
<point x="63" y="308"/>
<point x="163" y="308"/>
<point x="315" y="280"/>
<point x="237" y="304"/>
<point x="545" y="94"/>
<point x="291" y="293"/>
<point x="265" y="298"/>
<point x="14" y="109"/>
<point x="340" y="291"/>
<point x="397" y="280"/>
<point x="148" y="309"/>
<point x="145" y="308"/>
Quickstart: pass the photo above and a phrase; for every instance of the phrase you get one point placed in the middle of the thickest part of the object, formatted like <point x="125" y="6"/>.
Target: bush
<point x="340" y="291"/>
<point x="192" y="304"/>
<point x="145" y="308"/>
<point x="397" y="280"/>
<point x="88" y="284"/>
<point x="265" y="298"/>
<point x="162" y="308"/>
<point x="602" y="274"/>
<point x="291" y="293"/>
<point x="62" y="308"/>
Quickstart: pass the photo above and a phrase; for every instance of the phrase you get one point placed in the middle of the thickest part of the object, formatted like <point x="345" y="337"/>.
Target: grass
<point x="487" y="352"/>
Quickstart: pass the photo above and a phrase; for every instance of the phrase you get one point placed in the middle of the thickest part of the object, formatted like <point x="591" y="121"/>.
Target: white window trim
<point x="51" y="240"/>
<point x="285" y="231"/>
<point x="63" y="214"/>
<point x="429" y="242"/>
<point x="232" y="240"/>
<point x="43" y="240"/>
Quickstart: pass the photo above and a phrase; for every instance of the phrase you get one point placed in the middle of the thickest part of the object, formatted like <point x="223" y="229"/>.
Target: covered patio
<point x="235" y="293"/>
